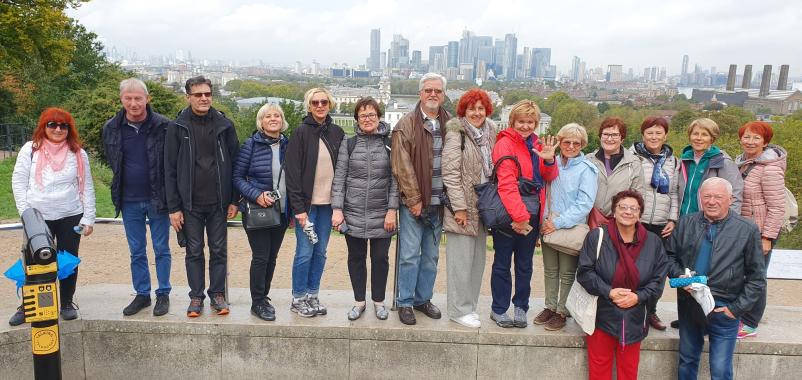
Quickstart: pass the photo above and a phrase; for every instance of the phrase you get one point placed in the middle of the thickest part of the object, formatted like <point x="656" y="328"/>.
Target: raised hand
<point x="547" y="153"/>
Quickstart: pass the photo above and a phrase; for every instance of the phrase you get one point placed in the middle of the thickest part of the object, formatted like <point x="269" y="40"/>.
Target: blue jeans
<point x="309" y="261"/>
<point x="419" y="251"/>
<point x="722" y="333"/>
<point x="134" y="221"/>
<point x="511" y="246"/>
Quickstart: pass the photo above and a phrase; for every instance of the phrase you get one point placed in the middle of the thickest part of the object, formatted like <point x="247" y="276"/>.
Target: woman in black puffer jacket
<point x="364" y="199"/>
<point x="259" y="177"/>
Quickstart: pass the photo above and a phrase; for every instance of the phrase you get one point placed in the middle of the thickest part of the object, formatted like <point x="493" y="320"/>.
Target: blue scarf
<point x="660" y="179"/>
<point x="530" y="144"/>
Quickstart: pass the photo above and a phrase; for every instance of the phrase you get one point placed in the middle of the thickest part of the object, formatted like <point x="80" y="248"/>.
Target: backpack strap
<point x="351" y="144"/>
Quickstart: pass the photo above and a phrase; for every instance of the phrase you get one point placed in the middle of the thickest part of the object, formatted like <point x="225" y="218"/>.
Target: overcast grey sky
<point x="630" y="32"/>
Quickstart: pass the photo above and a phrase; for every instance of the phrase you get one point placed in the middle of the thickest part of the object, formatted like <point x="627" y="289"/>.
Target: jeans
<point x="66" y="240"/>
<point x="310" y="260"/>
<point x="265" y="244"/>
<point x="559" y="271"/>
<point x="379" y="266"/>
<point x="507" y="244"/>
<point x="417" y="256"/>
<point x="722" y="333"/>
<point x="134" y="215"/>
<point x="213" y="220"/>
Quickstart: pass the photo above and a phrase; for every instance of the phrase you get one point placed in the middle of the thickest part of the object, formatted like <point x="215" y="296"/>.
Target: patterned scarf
<point x="479" y="136"/>
<point x="54" y="155"/>
<point x="660" y="179"/>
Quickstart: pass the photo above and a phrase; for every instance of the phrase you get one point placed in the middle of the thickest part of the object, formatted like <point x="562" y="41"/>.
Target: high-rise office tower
<point x="416" y="59"/>
<point x="510" y="55"/>
<point x="375" y="50"/>
<point x="575" y="69"/>
<point x="684" y="75"/>
<point x="498" y="57"/>
<point x="466" y="47"/>
<point x="541" y="62"/>
<point x="615" y="73"/>
<point x="453" y="54"/>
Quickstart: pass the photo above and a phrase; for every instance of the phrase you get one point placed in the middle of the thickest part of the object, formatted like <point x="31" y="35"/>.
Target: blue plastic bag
<point x="66" y="267"/>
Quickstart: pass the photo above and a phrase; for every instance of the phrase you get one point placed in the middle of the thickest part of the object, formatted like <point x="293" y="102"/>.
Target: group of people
<point x="658" y="215"/>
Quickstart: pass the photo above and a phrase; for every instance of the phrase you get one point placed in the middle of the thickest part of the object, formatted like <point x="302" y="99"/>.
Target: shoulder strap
<point x="351" y="144"/>
<point x="462" y="141"/>
<point x="498" y="162"/>
<point x="748" y="169"/>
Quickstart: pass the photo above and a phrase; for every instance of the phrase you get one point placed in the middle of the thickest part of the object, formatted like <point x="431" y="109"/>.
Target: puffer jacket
<point x="462" y="170"/>
<point x="253" y="168"/>
<point x="659" y="209"/>
<point x="510" y="143"/>
<point x="573" y="192"/>
<point x="596" y="276"/>
<point x="364" y="187"/>
<point x="737" y="267"/>
<point x="626" y="175"/>
<point x="720" y="165"/>
<point x="764" y="190"/>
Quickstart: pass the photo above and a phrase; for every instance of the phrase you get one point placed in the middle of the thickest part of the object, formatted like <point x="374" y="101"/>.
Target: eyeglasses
<point x="610" y="136"/>
<point x="54" y="125"/>
<point x="753" y="138"/>
<point x="570" y="143"/>
<point x="432" y="91"/>
<point x="625" y="208"/>
<point x="319" y="103"/>
<point x="717" y="197"/>
<point x="368" y="116"/>
<point x="199" y="95"/>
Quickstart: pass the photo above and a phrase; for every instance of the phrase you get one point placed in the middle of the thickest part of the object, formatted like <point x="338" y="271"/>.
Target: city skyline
<point x="622" y="33"/>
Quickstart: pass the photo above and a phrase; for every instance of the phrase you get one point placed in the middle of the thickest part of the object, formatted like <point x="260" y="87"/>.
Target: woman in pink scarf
<point x="52" y="175"/>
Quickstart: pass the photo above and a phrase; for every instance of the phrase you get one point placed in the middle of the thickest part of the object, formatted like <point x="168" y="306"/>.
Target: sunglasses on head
<point x="319" y="103"/>
<point x="54" y="125"/>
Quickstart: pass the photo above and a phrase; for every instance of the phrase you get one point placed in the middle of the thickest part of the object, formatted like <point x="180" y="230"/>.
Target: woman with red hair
<point x="762" y="166"/>
<point x="467" y="162"/>
<point x="52" y="175"/>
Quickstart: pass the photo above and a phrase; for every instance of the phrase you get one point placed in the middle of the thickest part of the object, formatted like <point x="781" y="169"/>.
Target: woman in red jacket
<point x="537" y="164"/>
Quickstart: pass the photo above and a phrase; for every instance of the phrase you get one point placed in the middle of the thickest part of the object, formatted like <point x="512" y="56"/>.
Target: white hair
<point x="717" y="181"/>
<point x="133" y="84"/>
<point x="431" y="76"/>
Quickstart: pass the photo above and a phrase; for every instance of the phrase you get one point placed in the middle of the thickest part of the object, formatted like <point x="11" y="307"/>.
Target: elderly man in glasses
<point x="726" y="248"/>
<point x="416" y="161"/>
<point x="200" y="147"/>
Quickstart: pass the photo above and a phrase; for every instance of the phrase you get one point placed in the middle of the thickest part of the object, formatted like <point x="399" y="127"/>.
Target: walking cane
<point x="395" y="277"/>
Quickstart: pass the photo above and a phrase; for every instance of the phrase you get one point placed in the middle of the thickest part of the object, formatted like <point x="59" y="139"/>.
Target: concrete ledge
<point x="103" y="344"/>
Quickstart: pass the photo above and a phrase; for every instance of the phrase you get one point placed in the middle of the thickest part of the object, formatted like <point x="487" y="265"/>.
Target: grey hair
<point x="270" y="107"/>
<point x="133" y="84"/>
<point x="574" y="130"/>
<point x="717" y="181"/>
<point x="431" y="76"/>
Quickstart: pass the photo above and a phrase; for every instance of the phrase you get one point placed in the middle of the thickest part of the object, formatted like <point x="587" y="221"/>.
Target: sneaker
<point x="746" y="331"/>
<point x="195" y="307"/>
<point x="140" y="302"/>
<point x="219" y="304"/>
<point x="18" y="318"/>
<point x="162" y="305"/>
<point x="262" y="312"/>
<point x="502" y="320"/>
<point x="315" y="304"/>
<point x="468" y="320"/>
<point x="543" y="316"/>
<point x="519" y="318"/>
<point x="381" y="311"/>
<point x="301" y="307"/>
<point x="69" y="311"/>
<point x="557" y="322"/>
<point x="356" y="312"/>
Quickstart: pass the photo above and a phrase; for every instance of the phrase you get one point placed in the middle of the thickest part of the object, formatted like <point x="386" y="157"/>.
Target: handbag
<point x="492" y="210"/>
<point x="256" y="217"/>
<point x="580" y="303"/>
<point x="596" y="219"/>
<point x="565" y="240"/>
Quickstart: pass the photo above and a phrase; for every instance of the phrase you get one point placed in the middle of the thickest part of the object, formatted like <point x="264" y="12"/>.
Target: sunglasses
<point x="432" y="91"/>
<point x="319" y="103"/>
<point x="54" y="125"/>
<point x="199" y="95"/>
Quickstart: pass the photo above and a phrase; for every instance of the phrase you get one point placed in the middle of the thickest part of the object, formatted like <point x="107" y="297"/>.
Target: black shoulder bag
<point x="256" y="217"/>
<point x="491" y="209"/>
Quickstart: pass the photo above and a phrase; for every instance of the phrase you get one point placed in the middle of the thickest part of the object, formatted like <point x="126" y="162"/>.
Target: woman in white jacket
<point x="52" y="175"/>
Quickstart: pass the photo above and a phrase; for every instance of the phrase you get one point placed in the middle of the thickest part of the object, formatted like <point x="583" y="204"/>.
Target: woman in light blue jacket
<point x="571" y="198"/>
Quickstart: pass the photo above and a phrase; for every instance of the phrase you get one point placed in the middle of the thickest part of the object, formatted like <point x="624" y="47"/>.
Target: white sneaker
<point x="468" y="320"/>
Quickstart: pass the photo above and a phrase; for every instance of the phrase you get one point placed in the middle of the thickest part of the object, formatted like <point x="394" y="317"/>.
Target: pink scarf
<point x="54" y="155"/>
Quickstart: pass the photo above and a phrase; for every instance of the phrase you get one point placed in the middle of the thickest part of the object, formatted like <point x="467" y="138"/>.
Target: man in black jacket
<point x="726" y="248"/>
<point x="200" y="148"/>
<point x="133" y="141"/>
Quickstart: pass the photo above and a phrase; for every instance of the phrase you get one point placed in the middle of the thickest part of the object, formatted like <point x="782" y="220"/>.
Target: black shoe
<point x="262" y="312"/>
<point x="140" y="302"/>
<point x="162" y="305"/>
<point x="69" y="311"/>
<point x="675" y="324"/>
<point x="406" y="315"/>
<point x="270" y="306"/>
<point x="18" y="318"/>
<point x="429" y="310"/>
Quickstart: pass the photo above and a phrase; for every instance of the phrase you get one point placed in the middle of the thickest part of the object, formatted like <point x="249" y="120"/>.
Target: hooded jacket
<point x="573" y="192"/>
<point x="658" y="208"/>
<point x="720" y="164"/>
<point x="510" y="143"/>
<point x="301" y="159"/>
<point x="626" y="175"/>
<point x="764" y="189"/>
<point x="364" y="187"/>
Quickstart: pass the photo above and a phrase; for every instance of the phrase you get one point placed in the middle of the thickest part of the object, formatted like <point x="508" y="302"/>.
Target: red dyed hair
<point x="759" y="127"/>
<point x="651" y="121"/>
<point x="614" y="122"/>
<point x="470" y="98"/>
<point x="59" y="116"/>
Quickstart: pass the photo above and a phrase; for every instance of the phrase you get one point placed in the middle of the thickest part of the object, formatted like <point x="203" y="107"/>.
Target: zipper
<point x="192" y="158"/>
<point x="369" y="157"/>
<point x="219" y="179"/>
<point x="687" y="187"/>
<point x="654" y="204"/>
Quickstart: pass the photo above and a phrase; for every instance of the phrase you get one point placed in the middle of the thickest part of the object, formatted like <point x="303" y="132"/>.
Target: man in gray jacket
<point x="726" y="248"/>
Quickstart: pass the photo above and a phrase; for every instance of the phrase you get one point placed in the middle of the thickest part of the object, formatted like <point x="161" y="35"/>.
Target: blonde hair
<point x="708" y="125"/>
<point x="267" y="108"/>
<point x="312" y="91"/>
<point x="574" y="130"/>
<point x="524" y="108"/>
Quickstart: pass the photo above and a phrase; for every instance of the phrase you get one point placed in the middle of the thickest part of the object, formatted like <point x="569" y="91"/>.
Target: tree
<point x="294" y="113"/>
<point x="553" y="101"/>
<point x="514" y="96"/>
<point x="679" y="98"/>
<point x="682" y="119"/>
<point x="603" y="107"/>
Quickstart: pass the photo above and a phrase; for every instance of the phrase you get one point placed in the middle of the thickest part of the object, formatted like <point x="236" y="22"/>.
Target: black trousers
<point x="651" y="307"/>
<point x="265" y="245"/>
<point x="212" y="219"/>
<point x="379" y="266"/>
<point x="66" y="240"/>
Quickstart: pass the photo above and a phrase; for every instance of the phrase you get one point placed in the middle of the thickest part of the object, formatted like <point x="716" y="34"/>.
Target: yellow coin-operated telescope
<point x="40" y="294"/>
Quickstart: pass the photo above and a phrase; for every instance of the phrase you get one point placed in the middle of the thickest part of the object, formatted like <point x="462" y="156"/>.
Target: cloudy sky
<point x="635" y="33"/>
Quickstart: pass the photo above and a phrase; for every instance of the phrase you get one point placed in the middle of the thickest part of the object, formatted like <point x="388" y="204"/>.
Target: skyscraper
<point x="437" y="58"/>
<point x="541" y="60"/>
<point x="466" y="47"/>
<point x="416" y="59"/>
<point x="683" y="79"/>
<point x="510" y="55"/>
<point x="615" y="73"/>
<point x="575" y="69"/>
<point x="453" y="54"/>
<point x="399" y="52"/>
<point x="375" y="50"/>
<point x="498" y="58"/>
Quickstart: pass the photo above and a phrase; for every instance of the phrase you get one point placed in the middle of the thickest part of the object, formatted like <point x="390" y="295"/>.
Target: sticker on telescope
<point x="44" y="340"/>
